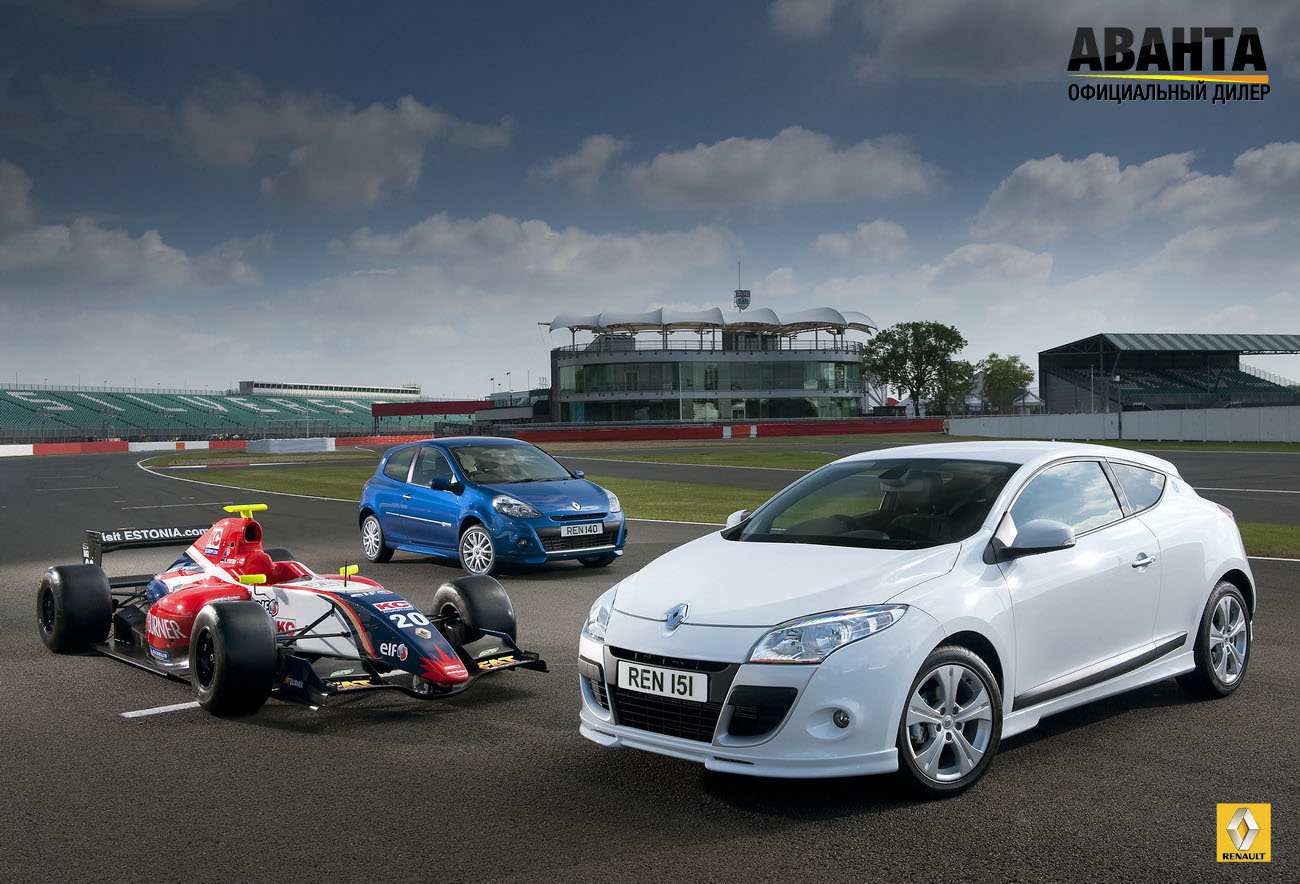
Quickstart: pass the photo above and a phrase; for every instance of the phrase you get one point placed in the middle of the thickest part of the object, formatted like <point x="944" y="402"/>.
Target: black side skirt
<point x="1099" y="672"/>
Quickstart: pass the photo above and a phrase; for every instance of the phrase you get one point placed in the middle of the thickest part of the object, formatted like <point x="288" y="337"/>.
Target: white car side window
<point x="1076" y="493"/>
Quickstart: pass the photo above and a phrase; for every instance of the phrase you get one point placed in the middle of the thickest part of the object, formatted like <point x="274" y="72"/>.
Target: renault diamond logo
<point x="677" y="615"/>
<point x="576" y="505"/>
<point x="1242" y="828"/>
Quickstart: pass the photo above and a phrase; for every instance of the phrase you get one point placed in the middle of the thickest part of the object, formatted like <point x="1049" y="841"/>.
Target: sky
<point x="197" y="192"/>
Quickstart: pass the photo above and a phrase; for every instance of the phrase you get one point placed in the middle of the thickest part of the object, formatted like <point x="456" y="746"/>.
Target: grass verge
<point x="642" y="499"/>
<point x="196" y="458"/>
<point x="744" y="457"/>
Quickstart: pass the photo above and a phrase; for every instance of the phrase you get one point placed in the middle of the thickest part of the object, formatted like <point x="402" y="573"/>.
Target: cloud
<point x="1198" y="249"/>
<point x="508" y="251"/>
<point x="795" y="166"/>
<point x="879" y="240"/>
<point x="16" y="209"/>
<point x="339" y="156"/>
<point x="1043" y="199"/>
<point x="583" y="168"/>
<point x="1018" y="41"/>
<point x="802" y="18"/>
<point x="1235" y="318"/>
<point x="87" y="254"/>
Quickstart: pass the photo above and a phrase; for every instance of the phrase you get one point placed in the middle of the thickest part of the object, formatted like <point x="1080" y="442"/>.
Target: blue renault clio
<point x="489" y="502"/>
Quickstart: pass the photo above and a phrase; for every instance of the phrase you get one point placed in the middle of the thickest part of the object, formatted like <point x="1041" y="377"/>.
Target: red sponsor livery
<point x="398" y="605"/>
<point x="170" y="619"/>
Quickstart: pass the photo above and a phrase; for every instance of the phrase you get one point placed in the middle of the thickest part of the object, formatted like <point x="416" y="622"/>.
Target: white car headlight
<point x="614" y="505"/>
<point x="598" y="616"/>
<point x="812" y="639"/>
<point x="513" y="506"/>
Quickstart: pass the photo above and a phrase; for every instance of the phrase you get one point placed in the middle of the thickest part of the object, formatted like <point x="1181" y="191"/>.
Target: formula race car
<point x="242" y="623"/>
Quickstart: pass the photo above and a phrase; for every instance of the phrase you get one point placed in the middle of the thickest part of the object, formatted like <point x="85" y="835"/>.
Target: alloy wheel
<point x="949" y="723"/>
<point x="1229" y="637"/>
<point x="371" y="537"/>
<point x="476" y="551"/>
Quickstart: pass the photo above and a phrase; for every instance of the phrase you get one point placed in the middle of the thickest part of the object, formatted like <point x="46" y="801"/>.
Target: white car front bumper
<point x="867" y="680"/>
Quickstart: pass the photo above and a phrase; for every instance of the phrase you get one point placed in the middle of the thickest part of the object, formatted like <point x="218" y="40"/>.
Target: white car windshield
<point x="504" y="464"/>
<point x="886" y="504"/>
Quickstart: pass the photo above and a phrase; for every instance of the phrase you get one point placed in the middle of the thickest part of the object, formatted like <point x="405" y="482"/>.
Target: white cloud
<point x="1016" y="41"/>
<point x="1235" y="318"/>
<point x="795" y="166"/>
<point x="1198" y="249"/>
<point x="1043" y="199"/>
<point x="16" y="209"/>
<point x="880" y="240"/>
<point x="585" y="167"/>
<point x="532" y="253"/>
<point x="802" y="18"/>
<point x="86" y="253"/>
<point x="340" y="157"/>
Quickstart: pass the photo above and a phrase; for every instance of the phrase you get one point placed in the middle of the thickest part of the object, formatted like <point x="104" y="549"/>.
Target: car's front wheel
<point x="952" y="723"/>
<point x="372" y="540"/>
<point x="233" y="657"/>
<point x="1222" y="649"/>
<point x="477" y="554"/>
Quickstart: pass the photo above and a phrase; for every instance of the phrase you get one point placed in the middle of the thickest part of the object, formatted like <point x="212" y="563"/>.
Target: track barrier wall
<point x="26" y="449"/>
<point x="730" y="431"/>
<point x="1273" y="424"/>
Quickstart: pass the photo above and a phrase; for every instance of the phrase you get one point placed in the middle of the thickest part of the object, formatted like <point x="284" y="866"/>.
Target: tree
<point x="912" y="356"/>
<point x="1006" y="379"/>
<point x="954" y="383"/>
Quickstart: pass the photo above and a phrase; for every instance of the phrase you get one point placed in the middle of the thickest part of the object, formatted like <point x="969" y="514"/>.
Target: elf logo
<point x="394" y="650"/>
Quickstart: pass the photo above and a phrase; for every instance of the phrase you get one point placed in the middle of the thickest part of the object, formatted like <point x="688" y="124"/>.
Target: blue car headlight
<point x="812" y="639"/>
<point x="598" y="616"/>
<point x="614" y="505"/>
<point x="514" y="507"/>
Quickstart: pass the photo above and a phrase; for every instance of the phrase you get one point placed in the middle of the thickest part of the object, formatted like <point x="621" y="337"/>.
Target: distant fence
<point x="1274" y="424"/>
<point x="596" y="433"/>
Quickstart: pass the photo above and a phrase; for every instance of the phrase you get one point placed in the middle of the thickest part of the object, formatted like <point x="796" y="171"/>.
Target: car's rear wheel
<point x="952" y="723"/>
<point x="233" y="657"/>
<point x="74" y="607"/>
<point x="1222" y="650"/>
<point x="464" y="607"/>
<point x="477" y="554"/>
<point x="372" y="540"/>
<point x="597" y="561"/>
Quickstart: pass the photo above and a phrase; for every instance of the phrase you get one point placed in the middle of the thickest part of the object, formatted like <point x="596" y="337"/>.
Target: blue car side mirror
<point x="447" y="485"/>
<point x="577" y="474"/>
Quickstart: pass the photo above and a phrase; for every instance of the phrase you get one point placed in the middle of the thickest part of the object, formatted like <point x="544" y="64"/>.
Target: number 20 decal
<point x="409" y="621"/>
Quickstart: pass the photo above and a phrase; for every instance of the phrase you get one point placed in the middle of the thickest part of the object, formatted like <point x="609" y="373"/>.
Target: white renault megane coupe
<point x="909" y="608"/>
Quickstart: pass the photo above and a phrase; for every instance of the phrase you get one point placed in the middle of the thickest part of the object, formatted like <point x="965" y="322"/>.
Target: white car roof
<point x="1033" y="454"/>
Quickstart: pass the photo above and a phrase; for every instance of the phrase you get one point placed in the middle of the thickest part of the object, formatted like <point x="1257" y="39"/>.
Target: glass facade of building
<point x="644" y="384"/>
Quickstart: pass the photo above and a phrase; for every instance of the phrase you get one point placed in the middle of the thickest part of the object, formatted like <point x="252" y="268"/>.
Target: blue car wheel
<point x="477" y="554"/>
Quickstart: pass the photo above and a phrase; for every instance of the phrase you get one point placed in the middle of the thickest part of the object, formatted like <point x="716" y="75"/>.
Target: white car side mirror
<point x="737" y="517"/>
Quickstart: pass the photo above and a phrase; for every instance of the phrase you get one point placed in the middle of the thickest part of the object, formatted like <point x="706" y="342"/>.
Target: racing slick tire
<point x="374" y="546"/>
<point x="597" y="561"/>
<point x="478" y="554"/>
<point x="74" y="607"/>
<point x="1222" y="649"/>
<point x="468" y="605"/>
<point x="280" y="554"/>
<point x="233" y="657"/>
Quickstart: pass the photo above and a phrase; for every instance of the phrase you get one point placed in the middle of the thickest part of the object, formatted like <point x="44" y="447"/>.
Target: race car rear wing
<point x="99" y="542"/>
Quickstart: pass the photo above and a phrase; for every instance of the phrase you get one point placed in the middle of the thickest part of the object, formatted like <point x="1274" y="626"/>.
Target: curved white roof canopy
<point x="759" y="319"/>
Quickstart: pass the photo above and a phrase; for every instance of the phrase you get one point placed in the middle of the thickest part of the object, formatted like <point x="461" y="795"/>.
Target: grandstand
<point x="1127" y="372"/>
<point x="37" y="413"/>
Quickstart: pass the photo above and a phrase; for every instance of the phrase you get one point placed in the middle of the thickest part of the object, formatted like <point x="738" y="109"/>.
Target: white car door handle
<point x="1143" y="560"/>
<point x="406" y="497"/>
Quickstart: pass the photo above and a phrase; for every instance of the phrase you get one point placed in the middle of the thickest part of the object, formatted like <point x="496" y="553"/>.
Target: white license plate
<point x="581" y="530"/>
<point x="663" y="682"/>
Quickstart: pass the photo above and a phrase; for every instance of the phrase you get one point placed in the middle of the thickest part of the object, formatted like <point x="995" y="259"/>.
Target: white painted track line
<point x="167" y="506"/>
<point x="159" y="710"/>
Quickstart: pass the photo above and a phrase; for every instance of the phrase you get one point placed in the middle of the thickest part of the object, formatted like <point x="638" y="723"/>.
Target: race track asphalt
<point x="497" y="785"/>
